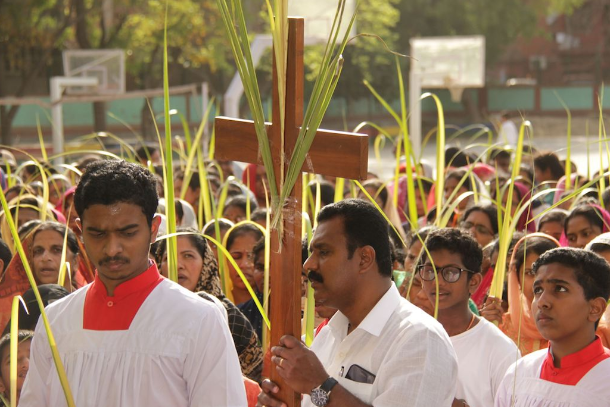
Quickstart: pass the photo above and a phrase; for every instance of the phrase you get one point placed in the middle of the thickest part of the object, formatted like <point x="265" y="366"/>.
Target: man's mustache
<point x="114" y="259"/>
<point x="315" y="277"/>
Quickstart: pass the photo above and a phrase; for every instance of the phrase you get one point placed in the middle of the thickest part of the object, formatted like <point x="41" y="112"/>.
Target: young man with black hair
<point x="378" y="349"/>
<point x="483" y="352"/>
<point x="571" y="289"/>
<point x="131" y="338"/>
<point x="547" y="167"/>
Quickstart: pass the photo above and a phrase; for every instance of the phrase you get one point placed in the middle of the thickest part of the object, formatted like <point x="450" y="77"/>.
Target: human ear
<point x="597" y="306"/>
<point x="367" y="258"/>
<point x="475" y="281"/>
<point x="154" y="229"/>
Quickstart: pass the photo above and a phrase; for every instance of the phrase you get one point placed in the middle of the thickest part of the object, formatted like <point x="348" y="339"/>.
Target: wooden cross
<point x="332" y="153"/>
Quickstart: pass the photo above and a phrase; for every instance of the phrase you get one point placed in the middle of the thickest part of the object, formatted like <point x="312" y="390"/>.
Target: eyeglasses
<point x="479" y="228"/>
<point x="450" y="274"/>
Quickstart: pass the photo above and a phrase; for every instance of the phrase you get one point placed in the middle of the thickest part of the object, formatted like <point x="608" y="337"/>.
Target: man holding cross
<point x="378" y="349"/>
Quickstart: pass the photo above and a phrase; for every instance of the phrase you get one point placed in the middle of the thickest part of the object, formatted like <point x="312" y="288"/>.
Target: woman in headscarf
<point x="584" y="223"/>
<point x="520" y="295"/>
<point x="198" y="272"/>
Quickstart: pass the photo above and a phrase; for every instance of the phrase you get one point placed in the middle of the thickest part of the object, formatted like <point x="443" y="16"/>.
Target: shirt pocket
<point x="363" y="391"/>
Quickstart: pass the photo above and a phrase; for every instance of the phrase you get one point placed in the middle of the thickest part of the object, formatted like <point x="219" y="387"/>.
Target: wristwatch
<point x="320" y="396"/>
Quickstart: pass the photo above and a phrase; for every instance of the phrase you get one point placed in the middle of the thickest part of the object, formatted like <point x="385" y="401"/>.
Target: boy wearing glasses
<point x="483" y="351"/>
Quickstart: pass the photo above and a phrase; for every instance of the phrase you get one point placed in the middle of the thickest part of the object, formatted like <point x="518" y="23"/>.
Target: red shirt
<point x="575" y="366"/>
<point x="105" y="313"/>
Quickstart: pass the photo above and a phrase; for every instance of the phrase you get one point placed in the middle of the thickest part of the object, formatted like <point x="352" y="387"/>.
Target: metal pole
<point x="205" y="101"/>
<point x="415" y="107"/>
<point x="57" y="85"/>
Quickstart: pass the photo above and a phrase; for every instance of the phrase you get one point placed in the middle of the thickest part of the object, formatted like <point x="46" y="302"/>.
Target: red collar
<point x="105" y="313"/>
<point x="574" y="366"/>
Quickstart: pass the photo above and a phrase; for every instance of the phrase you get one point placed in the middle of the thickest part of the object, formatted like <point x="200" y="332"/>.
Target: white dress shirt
<point x="177" y="352"/>
<point x="407" y="350"/>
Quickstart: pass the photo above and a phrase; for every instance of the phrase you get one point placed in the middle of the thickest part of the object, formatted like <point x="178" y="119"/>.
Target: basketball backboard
<point x="107" y="65"/>
<point x="319" y="16"/>
<point x="445" y="62"/>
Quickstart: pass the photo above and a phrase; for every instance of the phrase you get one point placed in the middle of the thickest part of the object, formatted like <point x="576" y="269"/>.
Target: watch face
<point x="319" y="397"/>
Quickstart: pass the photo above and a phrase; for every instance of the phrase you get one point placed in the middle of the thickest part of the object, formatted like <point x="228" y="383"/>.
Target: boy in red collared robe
<point x="571" y="289"/>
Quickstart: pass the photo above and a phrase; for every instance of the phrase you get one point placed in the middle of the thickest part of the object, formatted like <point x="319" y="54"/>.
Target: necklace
<point x="471" y="322"/>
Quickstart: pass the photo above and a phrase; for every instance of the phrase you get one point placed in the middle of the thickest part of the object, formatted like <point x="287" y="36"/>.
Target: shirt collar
<point x="139" y="282"/>
<point x="587" y="354"/>
<point x="376" y="319"/>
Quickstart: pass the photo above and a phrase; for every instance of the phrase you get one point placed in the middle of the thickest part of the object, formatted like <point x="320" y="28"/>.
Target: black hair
<point x="20" y="189"/>
<point x="241" y="230"/>
<point x="223" y="224"/>
<point x="532" y="244"/>
<point x="549" y="160"/>
<point x="145" y="152"/>
<point x="304" y="250"/>
<point x="598" y="248"/>
<point x="426" y="184"/>
<point x="554" y="215"/>
<point x="22" y="336"/>
<point x="489" y="210"/>
<point x="363" y="225"/>
<point x="455" y="241"/>
<point x="241" y="202"/>
<point x="199" y="242"/>
<point x="5" y="254"/>
<point x="27" y="202"/>
<point x="194" y="182"/>
<point x="528" y="170"/>
<point x="513" y="241"/>
<point x="260" y="214"/>
<point x="86" y="160"/>
<point x="258" y="247"/>
<point x="460" y="174"/>
<point x="455" y="157"/>
<point x="589" y="212"/>
<point x="423" y="234"/>
<point x="591" y="270"/>
<point x="327" y="191"/>
<point x="179" y="209"/>
<point x="496" y="153"/>
<point x="60" y="228"/>
<point x="380" y="190"/>
<point x="109" y="182"/>
<point x="25" y="229"/>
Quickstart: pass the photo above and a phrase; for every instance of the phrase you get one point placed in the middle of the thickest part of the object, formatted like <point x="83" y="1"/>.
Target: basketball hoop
<point x="106" y="65"/>
<point x="454" y="89"/>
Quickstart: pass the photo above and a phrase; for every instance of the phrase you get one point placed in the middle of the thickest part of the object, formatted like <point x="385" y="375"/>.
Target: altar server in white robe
<point x="131" y="338"/>
<point x="571" y="289"/>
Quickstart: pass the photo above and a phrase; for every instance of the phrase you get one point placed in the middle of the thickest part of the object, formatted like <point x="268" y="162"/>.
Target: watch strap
<point x="328" y="384"/>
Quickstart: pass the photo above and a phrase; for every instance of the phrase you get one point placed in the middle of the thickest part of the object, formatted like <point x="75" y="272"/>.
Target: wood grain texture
<point x="334" y="153"/>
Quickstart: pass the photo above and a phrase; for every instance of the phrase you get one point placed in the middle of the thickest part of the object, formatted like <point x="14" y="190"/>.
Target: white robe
<point x="529" y="390"/>
<point x="177" y="352"/>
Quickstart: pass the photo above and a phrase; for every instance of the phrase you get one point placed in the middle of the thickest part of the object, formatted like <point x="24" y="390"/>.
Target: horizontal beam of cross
<point x="332" y="153"/>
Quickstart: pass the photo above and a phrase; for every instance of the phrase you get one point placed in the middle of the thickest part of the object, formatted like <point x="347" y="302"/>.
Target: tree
<point x="196" y="41"/>
<point x="30" y="32"/>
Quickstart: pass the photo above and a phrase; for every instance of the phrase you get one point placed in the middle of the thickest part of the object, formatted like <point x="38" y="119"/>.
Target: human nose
<point x="113" y="245"/>
<point x="310" y="263"/>
<point x="542" y="301"/>
<point x="24" y="364"/>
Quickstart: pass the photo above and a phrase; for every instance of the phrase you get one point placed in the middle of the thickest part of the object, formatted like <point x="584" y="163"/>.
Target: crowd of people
<point x="405" y="311"/>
